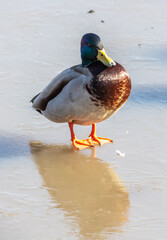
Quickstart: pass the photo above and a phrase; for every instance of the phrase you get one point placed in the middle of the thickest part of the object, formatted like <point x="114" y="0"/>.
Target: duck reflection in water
<point x="86" y="188"/>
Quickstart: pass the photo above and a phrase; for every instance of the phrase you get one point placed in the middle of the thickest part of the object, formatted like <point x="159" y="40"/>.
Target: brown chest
<point x="111" y="88"/>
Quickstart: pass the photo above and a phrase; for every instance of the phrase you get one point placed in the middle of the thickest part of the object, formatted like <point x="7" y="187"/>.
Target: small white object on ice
<point x="126" y="132"/>
<point x="120" y="154"/>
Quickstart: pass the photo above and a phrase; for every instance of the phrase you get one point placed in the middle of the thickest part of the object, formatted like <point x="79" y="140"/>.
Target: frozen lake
<point x="48" y="190"/>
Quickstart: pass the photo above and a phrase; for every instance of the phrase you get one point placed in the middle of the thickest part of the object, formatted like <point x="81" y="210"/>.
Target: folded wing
<point x="41" y="100"/>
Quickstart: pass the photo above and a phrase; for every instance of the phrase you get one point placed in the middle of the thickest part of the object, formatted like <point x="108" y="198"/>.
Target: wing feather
<point x="41" y="100"/>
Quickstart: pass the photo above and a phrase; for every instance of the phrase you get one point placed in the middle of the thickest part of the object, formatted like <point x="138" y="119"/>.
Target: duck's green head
<point x="92" y="50"/>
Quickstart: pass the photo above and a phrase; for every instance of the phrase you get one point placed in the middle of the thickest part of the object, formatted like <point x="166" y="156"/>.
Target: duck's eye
<point x="101" y="54"/>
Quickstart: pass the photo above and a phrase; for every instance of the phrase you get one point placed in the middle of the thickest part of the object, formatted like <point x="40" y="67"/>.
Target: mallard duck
<point x="86" y="94"/>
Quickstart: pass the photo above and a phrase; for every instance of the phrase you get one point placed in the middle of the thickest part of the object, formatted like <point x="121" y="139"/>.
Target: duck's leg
<point x="79" y="144"/>
<point x="96" y="139"/>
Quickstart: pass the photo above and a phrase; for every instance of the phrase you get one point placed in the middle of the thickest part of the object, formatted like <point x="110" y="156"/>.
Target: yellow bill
<point x="106" y="60"/>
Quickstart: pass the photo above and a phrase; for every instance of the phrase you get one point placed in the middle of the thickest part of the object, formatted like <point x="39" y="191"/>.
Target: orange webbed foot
<point x="79" y="144"/>
<point x="100" y="140"/>
<point x="82" y="144"/>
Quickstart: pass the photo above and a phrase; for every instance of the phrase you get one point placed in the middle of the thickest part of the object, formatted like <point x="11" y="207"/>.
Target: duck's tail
<point x="32" y="100"/>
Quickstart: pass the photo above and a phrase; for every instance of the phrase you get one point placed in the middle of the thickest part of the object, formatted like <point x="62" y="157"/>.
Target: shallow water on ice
<point x="48" y="190"/>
